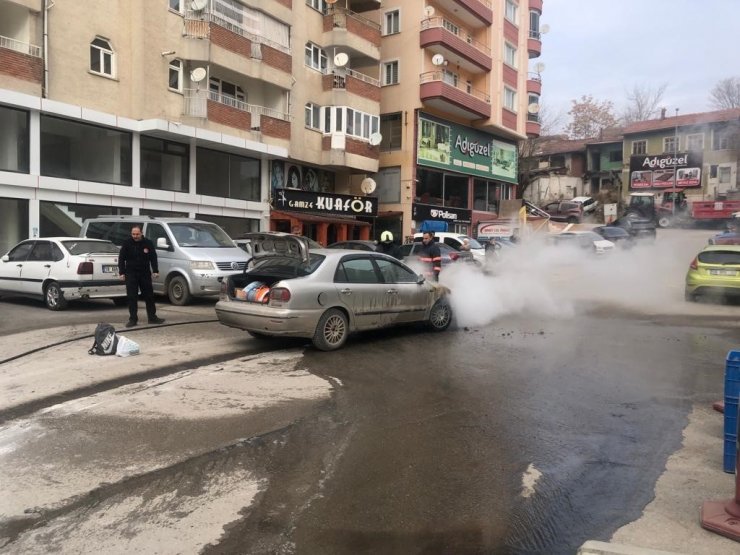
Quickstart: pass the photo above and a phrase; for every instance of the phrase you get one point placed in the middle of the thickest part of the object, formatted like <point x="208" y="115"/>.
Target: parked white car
<point x="61" y="269"/>
<point x="455" y="240"/>
<point x="588" y="204"/>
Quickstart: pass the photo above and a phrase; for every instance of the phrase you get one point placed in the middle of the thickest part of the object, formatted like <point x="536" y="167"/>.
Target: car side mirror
<point x="420" y="279"/>
<point x="162" y="243"/>
<point x="6" y="258"/>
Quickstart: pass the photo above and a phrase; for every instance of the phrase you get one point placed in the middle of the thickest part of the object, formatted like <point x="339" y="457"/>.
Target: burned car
<point x="324" y="295"/>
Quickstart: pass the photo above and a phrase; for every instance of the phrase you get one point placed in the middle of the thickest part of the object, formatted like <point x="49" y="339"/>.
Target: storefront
<point x="462" y="174"/>
<point x="324" y="217"/>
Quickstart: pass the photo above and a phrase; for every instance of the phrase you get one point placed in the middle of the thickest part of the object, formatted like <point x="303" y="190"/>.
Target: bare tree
<point x="725" y="94"/>
<point x="643" y="102"/>
<point x="589" y="117"/>
<point x="551" y="121"/>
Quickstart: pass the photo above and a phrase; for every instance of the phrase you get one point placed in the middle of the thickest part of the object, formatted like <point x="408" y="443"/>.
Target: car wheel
<point x="440" y="316"/>
<point x="331" y="331"/>
<point x="689" y="297"/>
<point x="54" y="297"/>
<point x="664" y="221"/>
<point x="120" y="301"/>
<point x="178" y="291"/>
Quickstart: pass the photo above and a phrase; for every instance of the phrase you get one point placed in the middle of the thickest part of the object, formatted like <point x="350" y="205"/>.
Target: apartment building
<point x="457" y="96"/>
<point x="204" y="108"/>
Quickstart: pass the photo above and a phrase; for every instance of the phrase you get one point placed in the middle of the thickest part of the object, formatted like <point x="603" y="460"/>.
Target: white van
<point x="193" y="255"/>
<point x="455" y="240"/>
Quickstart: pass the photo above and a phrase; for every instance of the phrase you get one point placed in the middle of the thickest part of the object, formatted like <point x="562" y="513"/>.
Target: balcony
<point x="533" y="125"/>
<point x="352" y="82"/>
<point x="346" y="29"/>
<point x="21" y="60"/>
<point x="534" y="44"/>
<point x="473" y="13"/>
<point x="438" y="92"/>
<point x="535" y="5"/>
<point x="227" y="110"/>
<point x="534" y="83"/>
<point x="456" y="45"/>
<point x="341" y="151"/>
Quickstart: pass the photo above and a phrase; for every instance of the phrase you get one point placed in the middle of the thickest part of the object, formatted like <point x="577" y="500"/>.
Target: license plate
<point x="722" y="272"/>
<point x="108" y="269"/>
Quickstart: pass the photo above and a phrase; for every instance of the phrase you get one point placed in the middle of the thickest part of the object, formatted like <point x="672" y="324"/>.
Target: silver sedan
<point x="326" y="294"/>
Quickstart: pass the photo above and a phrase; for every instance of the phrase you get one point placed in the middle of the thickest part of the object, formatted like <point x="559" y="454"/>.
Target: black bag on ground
<point x="106" y="340"/>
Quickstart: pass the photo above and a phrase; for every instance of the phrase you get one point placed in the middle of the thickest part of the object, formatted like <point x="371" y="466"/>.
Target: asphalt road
<point x="543" y="420"/>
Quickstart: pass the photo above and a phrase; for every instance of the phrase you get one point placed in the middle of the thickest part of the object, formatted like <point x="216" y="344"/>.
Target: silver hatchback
<point x="326" y="294"/>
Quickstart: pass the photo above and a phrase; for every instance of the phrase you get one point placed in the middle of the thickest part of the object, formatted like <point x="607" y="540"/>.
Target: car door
<point x="407" y="298"/>
<point x="360" y="288"/>
<point x="10" y="269"/>
<point x="165" y="256"/>
<point x="37" y="267"/>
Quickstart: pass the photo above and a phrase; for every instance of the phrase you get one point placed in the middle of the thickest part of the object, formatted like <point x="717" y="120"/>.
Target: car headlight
<point x="202" y="265"/>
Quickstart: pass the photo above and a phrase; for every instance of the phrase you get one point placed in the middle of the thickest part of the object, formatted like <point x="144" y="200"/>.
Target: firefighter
<point x="388" y="246"/>
<point x="431" y="255"/>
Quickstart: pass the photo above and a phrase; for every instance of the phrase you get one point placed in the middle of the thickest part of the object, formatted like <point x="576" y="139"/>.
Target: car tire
<point x="54" y="298"/>
<point x="440" y="316"/>
<point x="664" y="221"/>
<point x="178" y="291"/>
<point x="331" y="331"/>
<point x="120" y="301"/>
<point x="689" y="297"/>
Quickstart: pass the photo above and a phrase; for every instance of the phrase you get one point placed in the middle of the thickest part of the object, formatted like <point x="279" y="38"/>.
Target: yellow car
<point x="714" y="271"/>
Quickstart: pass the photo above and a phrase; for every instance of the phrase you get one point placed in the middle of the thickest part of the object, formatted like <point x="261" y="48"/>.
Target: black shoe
<point x="131" y="323"/>
<point x="156" y="320"/>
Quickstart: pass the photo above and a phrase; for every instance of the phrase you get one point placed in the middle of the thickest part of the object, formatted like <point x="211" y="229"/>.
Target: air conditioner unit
<point x="338" y="141"/>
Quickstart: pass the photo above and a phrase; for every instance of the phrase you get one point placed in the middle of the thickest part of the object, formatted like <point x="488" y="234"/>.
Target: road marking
<point x="529" y="479"/>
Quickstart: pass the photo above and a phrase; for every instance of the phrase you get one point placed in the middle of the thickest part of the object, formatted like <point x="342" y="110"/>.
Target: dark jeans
<point x="134" y="283"/>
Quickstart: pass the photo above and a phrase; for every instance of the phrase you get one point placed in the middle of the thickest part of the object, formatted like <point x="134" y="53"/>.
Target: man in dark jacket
<point x="431" y="255"/>
<point x="388" y="246"/>
<point x="137" y="263"/>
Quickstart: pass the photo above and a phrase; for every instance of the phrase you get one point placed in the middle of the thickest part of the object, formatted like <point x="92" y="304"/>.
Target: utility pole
<point x="675" y="164"/>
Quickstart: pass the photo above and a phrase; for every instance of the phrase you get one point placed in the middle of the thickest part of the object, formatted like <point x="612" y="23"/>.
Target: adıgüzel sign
<point x="325" y="203"/>
<point x="448" y="146"/>
<point x="657" y="171"/>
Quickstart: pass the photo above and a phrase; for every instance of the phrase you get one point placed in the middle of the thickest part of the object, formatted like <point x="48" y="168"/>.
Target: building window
<point x="724" y="174"/>
<point x="175" y="77"/>
<point x="512" y="11"/>
<point x="390" y="129"/>
<point x="510" y="55"/>
<point x="102" y="57"/>
<point x="316" y="57"/>
<point x="670" y="144"/>
<point x="441" y="189"/>
<point x="487" y="194"/>
<point x="510" y="99"/>
<point x="227" y="93"/>
<point x="350" y="121"/>
<point x="639" y="147"/>
<point x="176" y="6"/>
<point x="14" y="140"/>
<point x="695" y="142"/>
<point x="313" y="116"/>
<point x="450" y="77"/>
<point x="615" y="156"/>
<point x="318" y="5"/>
<point x="534" y="25"/>
<point x="164" y="164"/>
<point x="221" y="174"/>
<point x="451" y="27"/>
<point x="392" y="22"/>
<point x="74" y="150"/>
<point x="390" y="73"/>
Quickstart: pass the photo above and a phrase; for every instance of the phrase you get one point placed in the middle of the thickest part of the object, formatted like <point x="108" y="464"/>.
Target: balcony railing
<point x="462" y="34"/>
<point x="18" y="46"/>
<point x="340" y="16"/>
<point x="533" y="118"/>
<point x="341" y="74"/>
<point x="196" y="105"/>
<point x="534" y="34"/>
<point x="431" y="76"/>
<point x="534" y="76"/>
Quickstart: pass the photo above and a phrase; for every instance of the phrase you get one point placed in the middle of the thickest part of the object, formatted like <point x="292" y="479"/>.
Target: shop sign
<point x="325" y="203"/>
<point x="421" y="212"/>
<point x="448" y="146"/>
<point x="657" y="171"/>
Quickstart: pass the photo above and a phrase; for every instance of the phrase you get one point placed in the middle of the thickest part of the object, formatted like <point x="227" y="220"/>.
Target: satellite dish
<point x="197" y="75"/>
<point x="368" y="185"/>
<point x="438" y="59"/>
<point x="341" y="59"/>
<point x="198" y="5"/>
<point x="533" y="108"/>
<point x="429" y="11"/>
<point x="539" y="67"/>
<point x="544" y="29"/>
<point x="375" y="139"/>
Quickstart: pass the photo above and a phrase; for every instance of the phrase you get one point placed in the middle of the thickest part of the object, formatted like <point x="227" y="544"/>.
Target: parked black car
<point x="618" y="235"/>
<point x="636" y="225"/>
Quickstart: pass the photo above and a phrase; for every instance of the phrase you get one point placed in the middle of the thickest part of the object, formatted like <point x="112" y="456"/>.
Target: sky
<point x="606" y="47"/>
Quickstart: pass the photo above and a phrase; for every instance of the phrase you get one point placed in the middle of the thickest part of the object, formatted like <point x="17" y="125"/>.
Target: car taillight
<point x="694" y="264"/>
<point x="454" y="256"/>
<point x="279" y="294"/>
<point x="85" y="268"/>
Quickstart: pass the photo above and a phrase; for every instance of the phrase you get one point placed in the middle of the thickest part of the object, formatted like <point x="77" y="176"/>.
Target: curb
<point x="592" y="547"/>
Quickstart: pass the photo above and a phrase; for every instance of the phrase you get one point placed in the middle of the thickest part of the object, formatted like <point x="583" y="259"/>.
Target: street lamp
<point x="675" y="163"/>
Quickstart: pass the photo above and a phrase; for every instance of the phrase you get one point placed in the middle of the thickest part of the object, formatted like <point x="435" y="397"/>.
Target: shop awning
<point x="316" y="218"/>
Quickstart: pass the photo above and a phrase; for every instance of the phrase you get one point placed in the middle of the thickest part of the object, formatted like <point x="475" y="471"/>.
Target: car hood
<point x="268" y="244"/>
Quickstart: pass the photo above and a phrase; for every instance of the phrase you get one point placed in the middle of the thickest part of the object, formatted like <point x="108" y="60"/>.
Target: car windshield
<point x="720" y="257"/>
<point x="591" y="236"/>
<point x="200" y="235"/>
<point x="284" y="266"/>
<point x="85" y="247"/>
<point x="473" y="243"/>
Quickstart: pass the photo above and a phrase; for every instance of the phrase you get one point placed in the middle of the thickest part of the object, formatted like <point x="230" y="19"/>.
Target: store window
<point x="390" y="129"/>
<point x="441" y="189"/>
<point x="74" y="150"/>
<point x="14" y="140"/>
<point x="13" y="222"/>
<point x="164" y="164"/>
<point x="486" y="195"/>
<point x="221" y="174"/>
